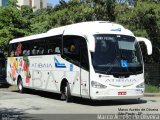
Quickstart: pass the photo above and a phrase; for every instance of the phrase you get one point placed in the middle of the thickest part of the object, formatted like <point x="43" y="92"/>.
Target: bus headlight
<point x="140" y="85"/>
<point x="97" y="85"/>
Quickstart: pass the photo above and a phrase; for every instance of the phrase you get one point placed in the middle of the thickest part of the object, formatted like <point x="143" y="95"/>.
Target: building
<point x="3" y="2"/>
<point x="35" y="4"/>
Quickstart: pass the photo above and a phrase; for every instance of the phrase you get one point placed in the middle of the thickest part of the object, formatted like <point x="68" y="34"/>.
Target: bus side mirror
<point x="147" y="43"/>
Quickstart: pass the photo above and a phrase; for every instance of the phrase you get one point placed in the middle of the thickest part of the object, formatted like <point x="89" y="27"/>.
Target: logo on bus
<point x="124" y="63"/>
<point x="58" y="64"/>
<point x="121" y="80"/>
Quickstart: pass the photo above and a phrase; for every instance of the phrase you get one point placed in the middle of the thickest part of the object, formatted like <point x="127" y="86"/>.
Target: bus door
<point x="84" y="63"/>
<point x="71" y="53"/>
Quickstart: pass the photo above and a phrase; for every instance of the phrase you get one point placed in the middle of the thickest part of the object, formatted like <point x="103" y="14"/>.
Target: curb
<point x="152" y="94"/>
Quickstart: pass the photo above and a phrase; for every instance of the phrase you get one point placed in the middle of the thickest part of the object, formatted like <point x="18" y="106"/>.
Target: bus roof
<point x="81" y="29"/>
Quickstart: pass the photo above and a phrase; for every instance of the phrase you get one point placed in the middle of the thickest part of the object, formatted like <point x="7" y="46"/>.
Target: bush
<point x="152" y="89"/>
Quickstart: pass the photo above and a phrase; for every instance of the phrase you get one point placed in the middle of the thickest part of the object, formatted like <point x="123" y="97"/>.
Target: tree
<point x="12" y="24"/>
<point x="105" y="10"/>
<point x="144" y="21"/>
<point x="76" y="11"/>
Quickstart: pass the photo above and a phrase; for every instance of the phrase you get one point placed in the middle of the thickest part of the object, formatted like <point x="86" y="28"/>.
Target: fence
<point x="152" y="74"/>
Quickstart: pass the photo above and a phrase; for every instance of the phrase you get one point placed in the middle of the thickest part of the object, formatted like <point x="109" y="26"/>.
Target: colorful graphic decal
<point x="19" y="65"/>
<point x="14" y="67"/>
<point x="58" y="64"/>
<point x="19" y="49"/>
<point x="26" y="68"/>
<point x="124" y="63"/>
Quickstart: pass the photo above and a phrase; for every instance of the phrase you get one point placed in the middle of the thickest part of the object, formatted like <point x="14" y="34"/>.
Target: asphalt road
<point x="44" y="105"/>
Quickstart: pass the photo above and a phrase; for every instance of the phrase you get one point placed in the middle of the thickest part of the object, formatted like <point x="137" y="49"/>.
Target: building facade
<point x="35" y="4"/>
<point x="4" y="2"/>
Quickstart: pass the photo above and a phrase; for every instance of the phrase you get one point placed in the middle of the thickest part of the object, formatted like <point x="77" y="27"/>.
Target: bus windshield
<point x="116" y="55"/>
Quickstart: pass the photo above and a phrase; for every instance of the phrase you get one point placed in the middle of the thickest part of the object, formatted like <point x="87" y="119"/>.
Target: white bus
<point x="97" y="60"/>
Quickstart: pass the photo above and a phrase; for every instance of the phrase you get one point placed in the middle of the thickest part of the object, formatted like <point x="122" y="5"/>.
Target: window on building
<point x="5" y="2"/>
<point x="41" y="4"/>
<point x="30" y="3"/>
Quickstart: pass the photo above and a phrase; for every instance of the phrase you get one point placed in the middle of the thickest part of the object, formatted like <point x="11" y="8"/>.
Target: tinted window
<point x="116" y="55"/>
<point x="12" y="50"/>
<point x="71" y="48"/>
<point x="26" y="48"/>
<point x="38" y="47"/>
<point x="43" y="46"/>
<point x="54" y="45"/>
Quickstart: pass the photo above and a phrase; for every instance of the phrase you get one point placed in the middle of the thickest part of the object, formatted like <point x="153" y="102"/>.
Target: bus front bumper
<point x="117" y="94"/>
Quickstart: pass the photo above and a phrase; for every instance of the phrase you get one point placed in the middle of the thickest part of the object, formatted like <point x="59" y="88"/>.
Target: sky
<point x="54" y="2"/>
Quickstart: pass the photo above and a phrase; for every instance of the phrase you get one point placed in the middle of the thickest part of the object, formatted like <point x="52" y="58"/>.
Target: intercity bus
<point x="98" y="60"/>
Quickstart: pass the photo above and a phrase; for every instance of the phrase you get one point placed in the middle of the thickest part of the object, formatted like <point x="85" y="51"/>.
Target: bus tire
<point x="68" y="93"/>
<point x="20" y="85"/>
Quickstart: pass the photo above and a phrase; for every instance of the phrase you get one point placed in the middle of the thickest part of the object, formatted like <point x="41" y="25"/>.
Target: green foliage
<point x="75" y="12"/>
<point x="12" y="25"/>
<point x="105" y="10"/>
<point x="143" y="19"/>
<point x="152" y="89"/>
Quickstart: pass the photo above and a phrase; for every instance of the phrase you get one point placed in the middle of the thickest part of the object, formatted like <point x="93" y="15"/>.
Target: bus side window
<point x="53" y="45"/>
<point x="50" y="51"/>
<point x="71" y="48"/>
<point x="41" y="51"/>
<point x="26" y="48"/>
<point x="24" y="52"/>
<point x="57" y="50"/>
<point x="38" y="47"/>
<point x="19" y="49"/>
<point x="28" y="52"/>
<point x="34" y="51"/>
<point x="12" y="50"/>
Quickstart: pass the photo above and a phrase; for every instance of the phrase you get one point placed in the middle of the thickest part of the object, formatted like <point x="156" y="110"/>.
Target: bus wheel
<point x="20" y="85"/>
<point x="68" y="93"/>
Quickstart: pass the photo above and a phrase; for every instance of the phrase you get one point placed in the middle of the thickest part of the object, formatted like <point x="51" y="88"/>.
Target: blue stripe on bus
<point x="58" y="64"/>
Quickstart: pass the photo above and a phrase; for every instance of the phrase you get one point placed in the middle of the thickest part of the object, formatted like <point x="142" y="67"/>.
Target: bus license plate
<point x="122" y="93"/>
